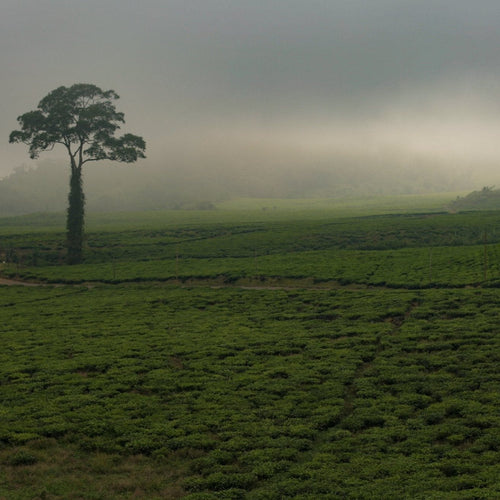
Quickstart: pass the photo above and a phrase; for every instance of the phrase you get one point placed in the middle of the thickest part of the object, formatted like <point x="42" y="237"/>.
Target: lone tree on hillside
<point x="84" y="120"/>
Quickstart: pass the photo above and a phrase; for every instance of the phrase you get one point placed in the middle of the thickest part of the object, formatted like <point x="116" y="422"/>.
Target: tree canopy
<point x="84" y="120"/>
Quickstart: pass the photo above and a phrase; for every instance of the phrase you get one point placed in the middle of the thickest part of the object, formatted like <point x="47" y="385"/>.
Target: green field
<point x="263" y="350"/>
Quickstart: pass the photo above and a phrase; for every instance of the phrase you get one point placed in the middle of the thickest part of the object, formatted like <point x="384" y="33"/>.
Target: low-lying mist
<point x="200" y="178"/>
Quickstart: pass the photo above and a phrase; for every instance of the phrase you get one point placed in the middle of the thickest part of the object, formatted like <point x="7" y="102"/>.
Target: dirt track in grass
<point x="244" y="284"/>
<point x="8" y="282"/>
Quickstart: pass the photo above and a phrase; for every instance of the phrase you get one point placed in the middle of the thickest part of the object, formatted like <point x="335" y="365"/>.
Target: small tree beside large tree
<point x="83" y="119"/>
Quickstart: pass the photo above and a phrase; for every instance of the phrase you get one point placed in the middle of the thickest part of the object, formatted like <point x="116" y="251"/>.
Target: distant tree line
<point x="487" y="198"/>
<point x="119" y="188"/>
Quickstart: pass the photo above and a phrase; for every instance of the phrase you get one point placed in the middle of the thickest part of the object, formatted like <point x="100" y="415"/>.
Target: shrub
<point x="21" y="458"/>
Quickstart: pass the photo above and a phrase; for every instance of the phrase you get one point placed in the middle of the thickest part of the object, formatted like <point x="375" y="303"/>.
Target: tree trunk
<point x="74" y="222"/>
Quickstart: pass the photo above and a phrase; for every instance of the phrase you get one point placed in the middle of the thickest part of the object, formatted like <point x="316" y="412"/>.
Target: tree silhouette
<point x="83" y="119"/>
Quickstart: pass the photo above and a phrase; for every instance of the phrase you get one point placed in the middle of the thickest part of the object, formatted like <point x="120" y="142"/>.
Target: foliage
<point x="290" y="390"/>
<point x="300" y="392"/>
<point x="414" y="250"/>
<point x="487" y="198"/>
<point x="82" y="118"/>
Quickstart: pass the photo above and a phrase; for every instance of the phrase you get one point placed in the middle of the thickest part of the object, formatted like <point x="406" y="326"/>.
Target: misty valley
<point x="262" y="349"/>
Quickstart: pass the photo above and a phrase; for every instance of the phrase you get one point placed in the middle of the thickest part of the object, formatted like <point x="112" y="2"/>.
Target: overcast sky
<point x="220" y="79"/>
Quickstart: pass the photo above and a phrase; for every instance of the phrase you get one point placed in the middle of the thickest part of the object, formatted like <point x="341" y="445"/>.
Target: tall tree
<point x="83" y="119"/>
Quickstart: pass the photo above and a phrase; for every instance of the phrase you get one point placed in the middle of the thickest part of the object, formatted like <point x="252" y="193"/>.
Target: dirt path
<point x="288" y="285"/>
<point x="8" y="282"/>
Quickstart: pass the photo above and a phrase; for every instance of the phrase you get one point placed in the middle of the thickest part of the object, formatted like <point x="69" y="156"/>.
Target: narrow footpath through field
<point x="288" y="285"/>
<point x="9" y="282"/>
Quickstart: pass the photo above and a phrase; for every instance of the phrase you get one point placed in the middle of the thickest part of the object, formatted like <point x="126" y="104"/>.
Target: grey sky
<point x="215" y="79"/>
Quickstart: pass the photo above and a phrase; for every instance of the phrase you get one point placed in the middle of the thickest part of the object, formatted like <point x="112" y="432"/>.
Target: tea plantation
<point x="261" y="356"/>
